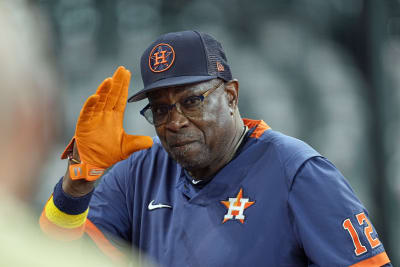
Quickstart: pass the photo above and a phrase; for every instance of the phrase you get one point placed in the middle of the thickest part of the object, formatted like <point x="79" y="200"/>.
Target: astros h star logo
<point x="236" y="206"/>
<point x="161" y="57"/>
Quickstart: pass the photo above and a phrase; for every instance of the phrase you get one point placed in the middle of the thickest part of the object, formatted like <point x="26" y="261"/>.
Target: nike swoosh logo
<point x="157" y="206"/>
<point x="195" y="181"/>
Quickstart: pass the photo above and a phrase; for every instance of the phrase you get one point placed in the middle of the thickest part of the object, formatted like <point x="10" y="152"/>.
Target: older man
<point x="214" y="189"/>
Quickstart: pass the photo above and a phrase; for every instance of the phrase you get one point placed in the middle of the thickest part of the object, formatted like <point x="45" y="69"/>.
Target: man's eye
<point x="160" y="110"/>
<point x="192" y="101"/>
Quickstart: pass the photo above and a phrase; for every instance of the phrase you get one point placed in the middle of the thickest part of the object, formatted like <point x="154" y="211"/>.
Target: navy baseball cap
<point x="181" y="58"/>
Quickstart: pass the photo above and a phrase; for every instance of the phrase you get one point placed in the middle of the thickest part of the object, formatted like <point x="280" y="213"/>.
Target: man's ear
<point x="232" y="92"/>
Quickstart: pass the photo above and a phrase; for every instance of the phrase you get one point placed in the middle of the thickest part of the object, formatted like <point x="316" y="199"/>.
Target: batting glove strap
<point x="79" y="169"/>
<point x="85" y="171"/>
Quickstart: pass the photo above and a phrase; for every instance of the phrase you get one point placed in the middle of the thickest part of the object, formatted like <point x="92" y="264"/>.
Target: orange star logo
<point x="236" y="207"/>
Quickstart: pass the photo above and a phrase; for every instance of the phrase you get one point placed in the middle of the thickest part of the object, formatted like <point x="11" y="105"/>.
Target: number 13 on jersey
<point x="362" y="220"/>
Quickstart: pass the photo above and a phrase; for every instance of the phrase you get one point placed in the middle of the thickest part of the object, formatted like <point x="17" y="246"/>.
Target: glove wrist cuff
<point x="85" y="171"/>
<point x="68" y="149"/>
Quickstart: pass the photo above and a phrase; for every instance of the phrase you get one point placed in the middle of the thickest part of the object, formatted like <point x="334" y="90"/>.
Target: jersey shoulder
<point x="155" y="150"/>
<point x="142" y="164"/>
<point x="152" y="166"/>
<point x="153" y="155"/>
<point x="291" y="152"/>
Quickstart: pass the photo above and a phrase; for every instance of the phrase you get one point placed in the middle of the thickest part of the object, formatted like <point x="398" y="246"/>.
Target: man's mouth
<point x="181" y="143"/>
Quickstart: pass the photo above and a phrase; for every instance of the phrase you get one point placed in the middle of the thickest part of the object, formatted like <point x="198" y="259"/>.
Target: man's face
<point x="195" y="142"/>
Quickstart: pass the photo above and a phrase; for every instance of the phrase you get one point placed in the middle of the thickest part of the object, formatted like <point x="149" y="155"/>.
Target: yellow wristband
<point x="63" y="219"/>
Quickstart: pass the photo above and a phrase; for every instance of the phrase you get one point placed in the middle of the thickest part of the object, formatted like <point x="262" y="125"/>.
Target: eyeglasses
<point x="191" y="106"/>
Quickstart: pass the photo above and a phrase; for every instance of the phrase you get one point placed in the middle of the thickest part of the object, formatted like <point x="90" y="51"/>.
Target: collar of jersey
<point x="225" y="180"/>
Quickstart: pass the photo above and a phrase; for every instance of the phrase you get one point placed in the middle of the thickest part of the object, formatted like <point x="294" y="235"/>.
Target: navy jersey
<point x="277" y="203"/>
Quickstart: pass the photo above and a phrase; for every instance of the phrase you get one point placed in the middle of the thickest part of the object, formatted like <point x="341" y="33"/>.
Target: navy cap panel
<point x="188" y="51"/>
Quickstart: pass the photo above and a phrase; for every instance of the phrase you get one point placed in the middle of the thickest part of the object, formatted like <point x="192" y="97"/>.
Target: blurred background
<point x="327" y="72"/>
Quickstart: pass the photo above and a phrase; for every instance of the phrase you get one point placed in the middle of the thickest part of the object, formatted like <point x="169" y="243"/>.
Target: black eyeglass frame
<point x="171" y="106"/>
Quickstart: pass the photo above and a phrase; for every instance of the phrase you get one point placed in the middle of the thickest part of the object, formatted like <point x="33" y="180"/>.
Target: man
<point x="214" y="189"/>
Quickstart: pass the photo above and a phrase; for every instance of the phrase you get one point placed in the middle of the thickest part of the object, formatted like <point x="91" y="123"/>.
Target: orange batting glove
<point x="99" y="136"/>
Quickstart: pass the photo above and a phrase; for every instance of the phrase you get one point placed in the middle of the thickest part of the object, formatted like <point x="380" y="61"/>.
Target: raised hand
<point x="99" y="137"/>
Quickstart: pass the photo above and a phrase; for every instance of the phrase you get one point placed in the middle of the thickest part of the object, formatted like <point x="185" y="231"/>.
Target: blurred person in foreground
<point x="212" y="189"/>
<point x="27" y="119"/>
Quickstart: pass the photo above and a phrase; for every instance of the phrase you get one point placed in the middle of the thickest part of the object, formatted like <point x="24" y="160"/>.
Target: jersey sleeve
<point x="102" y="215"/>
<point x="330" y="222"/>
<point x="64" y="218"/>
<point x="109" y="207"/>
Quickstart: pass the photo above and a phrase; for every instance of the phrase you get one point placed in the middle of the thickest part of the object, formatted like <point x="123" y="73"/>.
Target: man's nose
<point x="176" y="119"/>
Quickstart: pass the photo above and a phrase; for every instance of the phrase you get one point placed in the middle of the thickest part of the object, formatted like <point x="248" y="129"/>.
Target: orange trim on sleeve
<point x="260" y="125"/>
<point x="375" y="261"/>
<point x="103" y="243"/>
<point x="59" y="233"/>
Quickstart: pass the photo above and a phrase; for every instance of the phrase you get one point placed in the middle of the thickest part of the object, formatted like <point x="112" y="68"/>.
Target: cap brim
<point x="173" y="81"/>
